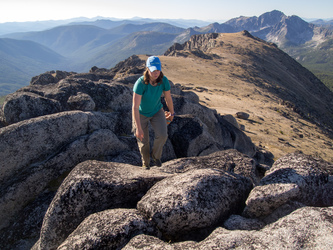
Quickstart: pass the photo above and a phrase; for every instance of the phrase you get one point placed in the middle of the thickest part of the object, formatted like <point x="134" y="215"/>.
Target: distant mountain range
<point x="20" y="60"/>
<point x="103" y="22"/>
<point x="323" y="23"/>
<point x="80" y="45"/>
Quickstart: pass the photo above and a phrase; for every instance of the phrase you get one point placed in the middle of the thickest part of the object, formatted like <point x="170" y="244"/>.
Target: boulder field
<point x="71" y="176"/>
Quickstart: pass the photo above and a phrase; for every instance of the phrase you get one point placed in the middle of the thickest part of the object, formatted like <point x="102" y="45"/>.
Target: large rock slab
<point x="147" y="242"/>
<point x="63" y="119"/>
<point x="229" y="160"/>
<point x="191" y="137"/>
<point x="22" y="106"/>
<point x="192" y="107"/>
<point x="296" y="177"/>
<point x="312" y="230"/>
<point x="239" y="140"/>
<point x="38" y="151"/>
<point x="91" y="187"/>
<point x="35" y="140"/>
<point x="30" y="141"/>
<point x="109" y="229"/>
<point x="309" y="231"/>
<point x="193" y="200"/>
<point x="263" y="200"/>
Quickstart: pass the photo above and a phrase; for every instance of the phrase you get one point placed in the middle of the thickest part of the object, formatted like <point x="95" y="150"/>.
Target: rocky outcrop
<point x="71" y="177"/>
<point x="90" y="188"/>
<point x="102" y="230"/>
<point x="196" y="199"/>
<point x="53" y="126"/>
<point x="51" y="145"/>
<point x="188" y="203"/>
<point x="77" y="92"/>
<point x="294" y="177"/>
<point x="35" y="152"/>
<point x="94" y="186"/>
<point x="195" y="45"/>
<point x="310" y="231"/>
<point x="50" y="77"/>
<point x="230" y="160"/>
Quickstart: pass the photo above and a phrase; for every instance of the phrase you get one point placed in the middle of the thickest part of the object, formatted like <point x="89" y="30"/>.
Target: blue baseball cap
<point x="153" y="63"/>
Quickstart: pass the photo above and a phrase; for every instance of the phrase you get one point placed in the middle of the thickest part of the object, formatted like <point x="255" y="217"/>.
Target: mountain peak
<point x="270" y="18"/>
<point x="256" y="23"/>
<point x="200" y="42"/>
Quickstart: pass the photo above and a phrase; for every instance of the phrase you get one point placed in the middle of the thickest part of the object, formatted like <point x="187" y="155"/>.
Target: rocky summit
<point x="71" y="175"/>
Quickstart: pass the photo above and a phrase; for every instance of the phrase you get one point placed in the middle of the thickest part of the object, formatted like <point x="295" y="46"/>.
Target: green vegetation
<point x="319" y="61"/>
<point x="21" y="60"/>
<point x="8" y="88"/>
<point x="325" y="76"/>
<point x="2" y="100"/>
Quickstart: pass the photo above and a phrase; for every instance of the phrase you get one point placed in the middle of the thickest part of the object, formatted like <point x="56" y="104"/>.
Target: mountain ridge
<point x="260" y="67"/>
<point x="85" y="44"/>
<point x="102" y="22"/>
<point x="256" y="23"/>
<point x="253" y="76"/>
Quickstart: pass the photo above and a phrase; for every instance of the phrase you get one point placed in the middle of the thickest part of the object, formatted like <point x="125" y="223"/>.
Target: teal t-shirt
<point x="151" y="96"/>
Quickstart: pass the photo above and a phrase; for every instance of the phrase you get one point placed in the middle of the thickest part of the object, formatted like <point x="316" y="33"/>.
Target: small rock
<point x="242" y="115"/>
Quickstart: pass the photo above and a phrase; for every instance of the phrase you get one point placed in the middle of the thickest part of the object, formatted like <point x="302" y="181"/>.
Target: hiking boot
<point x="158" y="162"/>
<point x="146" y="167"/>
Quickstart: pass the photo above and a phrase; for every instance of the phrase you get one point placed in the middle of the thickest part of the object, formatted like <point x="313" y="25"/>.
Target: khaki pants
<point x="159" y="125"/>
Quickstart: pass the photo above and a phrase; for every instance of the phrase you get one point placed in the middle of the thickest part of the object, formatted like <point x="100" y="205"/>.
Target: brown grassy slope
<point x="249" y="75"/>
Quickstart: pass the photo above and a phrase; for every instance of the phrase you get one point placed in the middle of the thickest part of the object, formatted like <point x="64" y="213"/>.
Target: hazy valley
<point x="78" y="46"/>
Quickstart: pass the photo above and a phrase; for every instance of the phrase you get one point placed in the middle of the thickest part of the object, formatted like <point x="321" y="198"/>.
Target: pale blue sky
<point x="210" y="10"/>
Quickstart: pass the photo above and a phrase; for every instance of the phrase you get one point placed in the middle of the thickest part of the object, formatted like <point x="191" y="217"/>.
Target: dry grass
<point x="231" y="88"/>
